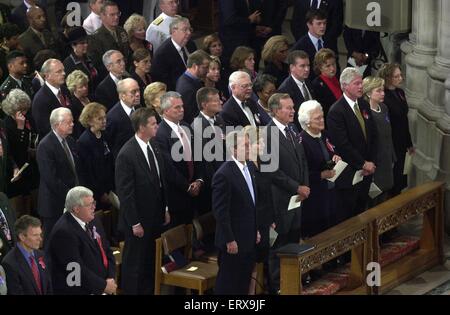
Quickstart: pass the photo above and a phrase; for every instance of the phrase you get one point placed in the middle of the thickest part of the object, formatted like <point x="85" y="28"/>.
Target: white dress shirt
<point x="92" y="23"/>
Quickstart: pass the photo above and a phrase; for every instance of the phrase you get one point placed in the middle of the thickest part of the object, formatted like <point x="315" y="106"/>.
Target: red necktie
<point x="36" y="276"/>
<point x="98" y="238"/>
<point x="62" y="99"/>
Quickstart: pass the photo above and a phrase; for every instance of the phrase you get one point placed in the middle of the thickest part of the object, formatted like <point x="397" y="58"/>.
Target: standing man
<point x="158" y="31"/>
<point x="191" y="81"/>
<point x="288" y="179"/>
<point x="142" y="190"/>
<point x="234" y="207"/>
<point x="7" y="232"/>
<point x="57" y="163"/>
<point x="78" y="241"/>
<point x="297" y="84"/>
<point x="352" y="131"/>
<point x="16" y="61"/>
<point x="25" y="265"/>
<point x="93" y="22"/>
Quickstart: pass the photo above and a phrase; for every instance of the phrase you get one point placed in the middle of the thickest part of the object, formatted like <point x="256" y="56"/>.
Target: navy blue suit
<point x="188" y="86"/>
<point x="233" y="115"/>
<point x="56" y="178"/>
<point x="106" y="93"/>
<point x="235" y="214"/>
<point x="305" y="44"/>
<point x="19" y="276"/>
<point x="70" y="243"/>
<point x="118" y="128"/>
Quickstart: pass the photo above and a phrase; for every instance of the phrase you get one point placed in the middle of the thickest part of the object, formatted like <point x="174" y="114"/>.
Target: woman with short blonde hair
<point x="152" y="97"/>
<point x="135" y="26"/>
<point x="274" y="55"/>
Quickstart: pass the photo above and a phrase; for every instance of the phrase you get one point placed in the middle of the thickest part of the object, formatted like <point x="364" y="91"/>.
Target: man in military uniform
<point x="158" y="31"/>
<point x="110" y="36"/>
<point x="16" y="62"/>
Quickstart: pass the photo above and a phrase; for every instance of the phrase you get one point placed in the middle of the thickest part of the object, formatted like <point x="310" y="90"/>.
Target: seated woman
<point x="264" y="87"/>
<point x="96" y="162"/>
<point x="326" y="85"/>
<point x="141" y="73"/>
<point x="319" y="210"/>
<point x="78" y="84"/>
<point x="152" y="98"/>
<point x="274" y="55"/>
<point x="373" y="89"/>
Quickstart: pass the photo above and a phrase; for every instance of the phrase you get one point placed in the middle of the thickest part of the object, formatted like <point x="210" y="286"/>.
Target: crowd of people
<point x="140" y="121"/>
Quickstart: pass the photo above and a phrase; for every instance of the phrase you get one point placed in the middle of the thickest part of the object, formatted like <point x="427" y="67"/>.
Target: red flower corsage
<point x="41" y="262"/>
<point x="365" y="115"/>
<point x="329" y="145"/>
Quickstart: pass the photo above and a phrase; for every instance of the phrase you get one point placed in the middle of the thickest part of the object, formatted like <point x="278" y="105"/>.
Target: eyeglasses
<point x="118" y="14"/>
<point x="91" y="204"/>
<point x="134" y="92"/>
<point x="246" y="86"/>
<point x="185" y="29"/>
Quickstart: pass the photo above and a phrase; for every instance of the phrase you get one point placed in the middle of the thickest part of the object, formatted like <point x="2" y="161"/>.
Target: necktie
<point x="360" y="119"/>
<point x="248" y="179"/>
<point x="62" y="99"/>
<point x="187" y="154"/>
<point x="289" y="136"/>
<point x="70" y="159"/>
<point x="36" y="275"/>
<point x="93" y="235"/>
<point x="184" y="55"/>
<point x="305" y="91"/>
<point x="152" y="161"/>
<point x="132" y="111"/>
<point x="249" y="113"/>
<point x="42" y="38"/>
<point x="319" y="44"/>
<point x="4" y="226"/>
<point x="326" y="156"/>
<point x="314" y="4"/>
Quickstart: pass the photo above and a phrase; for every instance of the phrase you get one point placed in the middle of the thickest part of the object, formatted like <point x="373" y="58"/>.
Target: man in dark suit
<point x="289" y="177"/>
<point x="297" y="84"/>
<point x="16" y="62"/>
<point x="106" y="91"/>
<point x="19" y="14"/>
<point x="118" y="123"/>
<point x="110" y="36"/>
<point x="334" y="9"/>
<point x="352" y="131"/>
<point x="51" y="95"/>
<point x="191" y="81"/>
<point x="170" y="60"/>
<point x="142" y="190"/>
<point x="57" y="163"/>
<point x="81" y="260"/>
<point x="37" y="37"/>
<point x="25" y="265"/>
<point x="7" y="231"/>
<point x="234" y="207"/>
<point x="185" y="175"/>
<point x="313" y="41"/>
<point x="210" y="128"/>
<point x="240" y="109"/>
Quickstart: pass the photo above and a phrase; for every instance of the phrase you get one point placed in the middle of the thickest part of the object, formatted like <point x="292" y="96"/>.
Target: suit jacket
<point x="180" y="202"/>
<point x="43" y="103"/>
<point x="346" y="134"/>
<point x="335" y="12"/>
<point x="72" y="63"/>
<point x="118" y="128"/>
<point x="233" y="207"/>
<point x="102" y="41"/>
<point x="70" y="243"/>
<point x="20" y="277"/>
<point x="31" y="43"/>
<point x="10" y="215"/>
<point x="233" y="115"/>
<point x="56" y="175"/>
<point x="167" y="64"/>
<point x="292" y="171"/>
<point x="290" y="87"/>
<point x="188" y="87"/>
<point x="106" y="93"/>
<point x="323" y="94"/>
<point x="305" y="44"/>
<point x="142" y="200"/>
<point x="19" y="15"/>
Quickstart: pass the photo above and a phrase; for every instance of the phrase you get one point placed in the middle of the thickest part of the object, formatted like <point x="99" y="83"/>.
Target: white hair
<point x="57" y="115"/>
<point x="348" y="75"/>
<point x="304" y="112"/>
<point x="236" y="76"/>
<point x="75" y="197"/>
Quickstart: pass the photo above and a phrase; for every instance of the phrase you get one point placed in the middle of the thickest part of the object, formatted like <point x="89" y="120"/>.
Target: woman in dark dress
<point x="319" y="209"/>
<point x="395" y="100"/>
<point x="214" y="79"/>
<point x="264" y="87"/>
<point x="78" y="84"/>
<point x="326" y="85"/>
<point x="152" y="98"/>
<point x="21" y="148"/>
<point x="265" y="213"/>
<point x="135" y="27"/>
<point x="96" y="162"/>
<point x="274" y="55"/>
<point x="141" y="73"/>
<point x="78" y="59"/>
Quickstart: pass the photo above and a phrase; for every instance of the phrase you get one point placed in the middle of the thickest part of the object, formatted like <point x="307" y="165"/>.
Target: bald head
<point x="36" y="18"/>
<point x="129" y="93"/>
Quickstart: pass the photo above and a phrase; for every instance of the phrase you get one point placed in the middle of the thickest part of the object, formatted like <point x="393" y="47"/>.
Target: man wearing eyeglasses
<point x="159" y="30"/>
<point x="110" y="36"/>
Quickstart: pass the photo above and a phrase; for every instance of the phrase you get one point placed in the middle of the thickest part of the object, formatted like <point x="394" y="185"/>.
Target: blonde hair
<point x="151" y="91"/>
<point x="75" y="79"/>
<point x="132" y="22"/>
<point x="272" y="45"/>
<point x="370" y="84"/>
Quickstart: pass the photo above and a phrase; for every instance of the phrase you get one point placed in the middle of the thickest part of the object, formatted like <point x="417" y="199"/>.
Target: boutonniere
<point x="41" y="262"/>
<point x="365" y="115"/>
<point x="329" y="145"/>
<point x="96" y="235"/>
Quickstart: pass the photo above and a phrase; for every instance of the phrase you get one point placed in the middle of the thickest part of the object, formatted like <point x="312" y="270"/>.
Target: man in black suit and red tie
<point x="352" y="131"/>
<point x="234" y="207"/>
<point x="25" y="265"/>
<point x="51" y="95"/>
<point x="81" y="260"/>
<point x="143" y="194"/>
